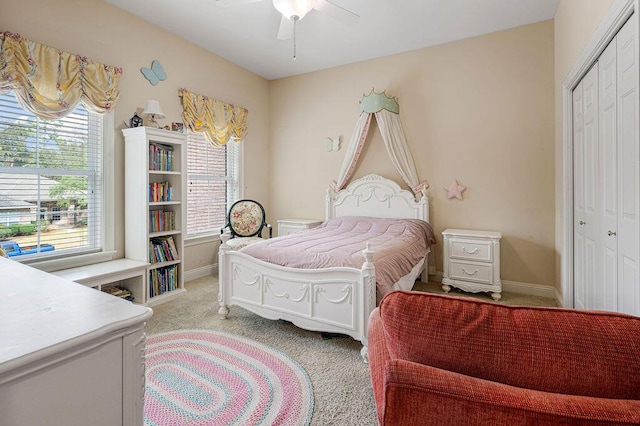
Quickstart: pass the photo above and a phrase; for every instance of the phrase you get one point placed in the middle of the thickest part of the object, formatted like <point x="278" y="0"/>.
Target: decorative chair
<point x="245" y="221"/>
<point x="438" y="360"/>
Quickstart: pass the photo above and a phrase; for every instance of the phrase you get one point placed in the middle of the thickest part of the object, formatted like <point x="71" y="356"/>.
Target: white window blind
<point x="213" y="183"/>
<point x="50" y="182"/>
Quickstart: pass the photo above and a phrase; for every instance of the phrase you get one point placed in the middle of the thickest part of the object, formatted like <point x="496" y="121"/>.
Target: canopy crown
<point x="374" y="102"/>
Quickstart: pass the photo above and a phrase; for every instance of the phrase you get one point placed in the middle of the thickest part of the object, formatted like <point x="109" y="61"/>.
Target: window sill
<point x="72" y="261"/>
<point x="202" y="239"/>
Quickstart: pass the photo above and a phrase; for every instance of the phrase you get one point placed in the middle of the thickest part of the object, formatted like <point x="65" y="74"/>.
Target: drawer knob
<point x="474" y="251"/>
<point x="469" y="273"/>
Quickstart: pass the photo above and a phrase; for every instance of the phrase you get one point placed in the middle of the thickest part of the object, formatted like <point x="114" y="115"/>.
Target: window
<point x="51" y="182"/>
<point x="213" y="183"/>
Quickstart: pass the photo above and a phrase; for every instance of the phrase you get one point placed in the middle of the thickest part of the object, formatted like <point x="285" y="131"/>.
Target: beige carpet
<point x="340" y="379"/>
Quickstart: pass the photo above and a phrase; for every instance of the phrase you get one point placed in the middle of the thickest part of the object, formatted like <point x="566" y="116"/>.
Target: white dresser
<point x="69" y="355"/>
<point x="291" y="226"/>
<point x="472" y="261"/>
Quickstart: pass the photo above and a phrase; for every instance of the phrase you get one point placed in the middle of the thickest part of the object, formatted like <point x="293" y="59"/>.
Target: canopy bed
<point x="339" y="297"/>
<point x="333" y="299"/>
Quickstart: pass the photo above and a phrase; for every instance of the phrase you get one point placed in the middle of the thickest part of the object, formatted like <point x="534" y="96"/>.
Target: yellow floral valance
<point x="49" y="82"/>
<point x="219" y="121"/>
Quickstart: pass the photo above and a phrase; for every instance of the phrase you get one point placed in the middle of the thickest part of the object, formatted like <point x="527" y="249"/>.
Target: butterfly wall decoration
<point x="333" y="144"/>
<point x="155" y="74"/>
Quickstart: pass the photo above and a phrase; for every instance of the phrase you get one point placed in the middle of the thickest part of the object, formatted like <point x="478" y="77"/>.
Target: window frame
<point x="107" y="220"/>
<point x="214" y="235"/>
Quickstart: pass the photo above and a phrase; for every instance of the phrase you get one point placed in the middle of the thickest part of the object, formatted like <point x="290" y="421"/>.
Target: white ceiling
<point x="245" y="34"/>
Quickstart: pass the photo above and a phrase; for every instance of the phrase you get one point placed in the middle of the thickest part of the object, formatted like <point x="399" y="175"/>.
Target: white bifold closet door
<point x="606" y="155"/>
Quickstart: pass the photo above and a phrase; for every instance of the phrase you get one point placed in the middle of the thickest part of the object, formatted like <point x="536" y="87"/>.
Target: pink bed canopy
<point x="387" y="113"/>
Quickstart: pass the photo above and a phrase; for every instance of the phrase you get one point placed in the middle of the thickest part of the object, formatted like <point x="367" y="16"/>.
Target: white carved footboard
<point x="337" y="300"/>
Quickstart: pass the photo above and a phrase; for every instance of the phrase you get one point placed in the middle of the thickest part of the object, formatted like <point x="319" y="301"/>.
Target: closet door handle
<point x="582" y="222"/>
<point x="610" y="233"/>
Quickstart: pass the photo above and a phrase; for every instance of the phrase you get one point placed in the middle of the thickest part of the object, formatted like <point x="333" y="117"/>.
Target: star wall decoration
<point x="454" y="190"/>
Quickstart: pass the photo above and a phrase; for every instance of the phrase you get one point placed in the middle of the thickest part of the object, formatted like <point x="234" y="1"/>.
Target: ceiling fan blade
<point x="285" y="32"/>
<point x="336" y="12"/>
<point x="226" y="3"/>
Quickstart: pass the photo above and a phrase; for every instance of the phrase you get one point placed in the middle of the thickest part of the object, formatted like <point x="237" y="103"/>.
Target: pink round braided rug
<point x="205" y="377"/>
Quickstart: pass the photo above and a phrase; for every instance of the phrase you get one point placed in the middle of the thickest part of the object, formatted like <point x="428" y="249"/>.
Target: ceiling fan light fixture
<point x="291" y="8"/>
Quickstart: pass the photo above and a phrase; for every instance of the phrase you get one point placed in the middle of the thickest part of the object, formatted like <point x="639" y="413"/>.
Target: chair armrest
<point x="378" y="356"/>
<point x="270" y="230"/>
<point x="420" y="394"/>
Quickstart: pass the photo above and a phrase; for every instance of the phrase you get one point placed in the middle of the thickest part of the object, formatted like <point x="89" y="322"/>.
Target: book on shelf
<point x="162" y="249"/>
<point x="118" y="291"/>
<point x="160" y="191"/>
<point x="161" y="220"/>
<point x="163" y="280"/>
<point x="160" y="157"/>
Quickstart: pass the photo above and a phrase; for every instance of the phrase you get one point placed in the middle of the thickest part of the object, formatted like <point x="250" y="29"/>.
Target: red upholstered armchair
<point x="442" y="360"/>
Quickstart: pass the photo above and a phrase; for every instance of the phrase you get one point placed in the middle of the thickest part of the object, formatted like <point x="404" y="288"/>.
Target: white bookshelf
<point x="140" y="174"/>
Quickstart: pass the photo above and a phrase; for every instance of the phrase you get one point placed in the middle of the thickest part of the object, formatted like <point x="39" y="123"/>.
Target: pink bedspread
<point x="398" y="245"/>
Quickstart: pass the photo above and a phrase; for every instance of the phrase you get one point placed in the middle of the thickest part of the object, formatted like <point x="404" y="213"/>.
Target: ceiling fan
<point x="294" y="10"/>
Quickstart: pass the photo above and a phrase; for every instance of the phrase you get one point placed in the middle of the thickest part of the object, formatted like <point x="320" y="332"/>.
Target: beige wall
<point x="479" y="110"/>
<point x="107" y="34"/>
<point x="574" y="23"/>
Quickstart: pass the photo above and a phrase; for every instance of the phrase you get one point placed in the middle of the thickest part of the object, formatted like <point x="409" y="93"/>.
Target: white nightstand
<point x="472" y="261"/>
<point x="291" y="226"/>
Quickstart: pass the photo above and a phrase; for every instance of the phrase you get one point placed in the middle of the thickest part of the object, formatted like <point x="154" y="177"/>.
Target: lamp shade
<point x="290" y="8"/>
<point x="153" y="109"/>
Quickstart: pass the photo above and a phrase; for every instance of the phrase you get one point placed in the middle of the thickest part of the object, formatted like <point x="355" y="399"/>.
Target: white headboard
<point x="376" y="196"/>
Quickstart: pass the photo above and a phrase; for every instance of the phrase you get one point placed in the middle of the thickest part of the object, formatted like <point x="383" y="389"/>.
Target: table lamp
<point x="153" y="111"/>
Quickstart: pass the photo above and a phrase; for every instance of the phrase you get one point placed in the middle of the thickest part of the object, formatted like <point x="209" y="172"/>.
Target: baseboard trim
<point x="510" y="286"/>
<point x="435" y="277"/>
<point x="203" y="271"/>
<point x="529" y="289"/>
<point x="559" y="298"/>
<point x="518" y="287"/>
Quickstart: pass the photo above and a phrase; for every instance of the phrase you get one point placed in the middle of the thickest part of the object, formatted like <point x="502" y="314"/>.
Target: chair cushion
<point x="238" y="243"/>
<point x="246" y="218"/>
<point x="417" y="394"/>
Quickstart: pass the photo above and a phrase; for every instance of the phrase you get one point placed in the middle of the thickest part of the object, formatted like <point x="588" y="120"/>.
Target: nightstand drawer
<point x="479" y="251"/>
<point x="467" y="271"/>
<point x="472" y="261"/>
